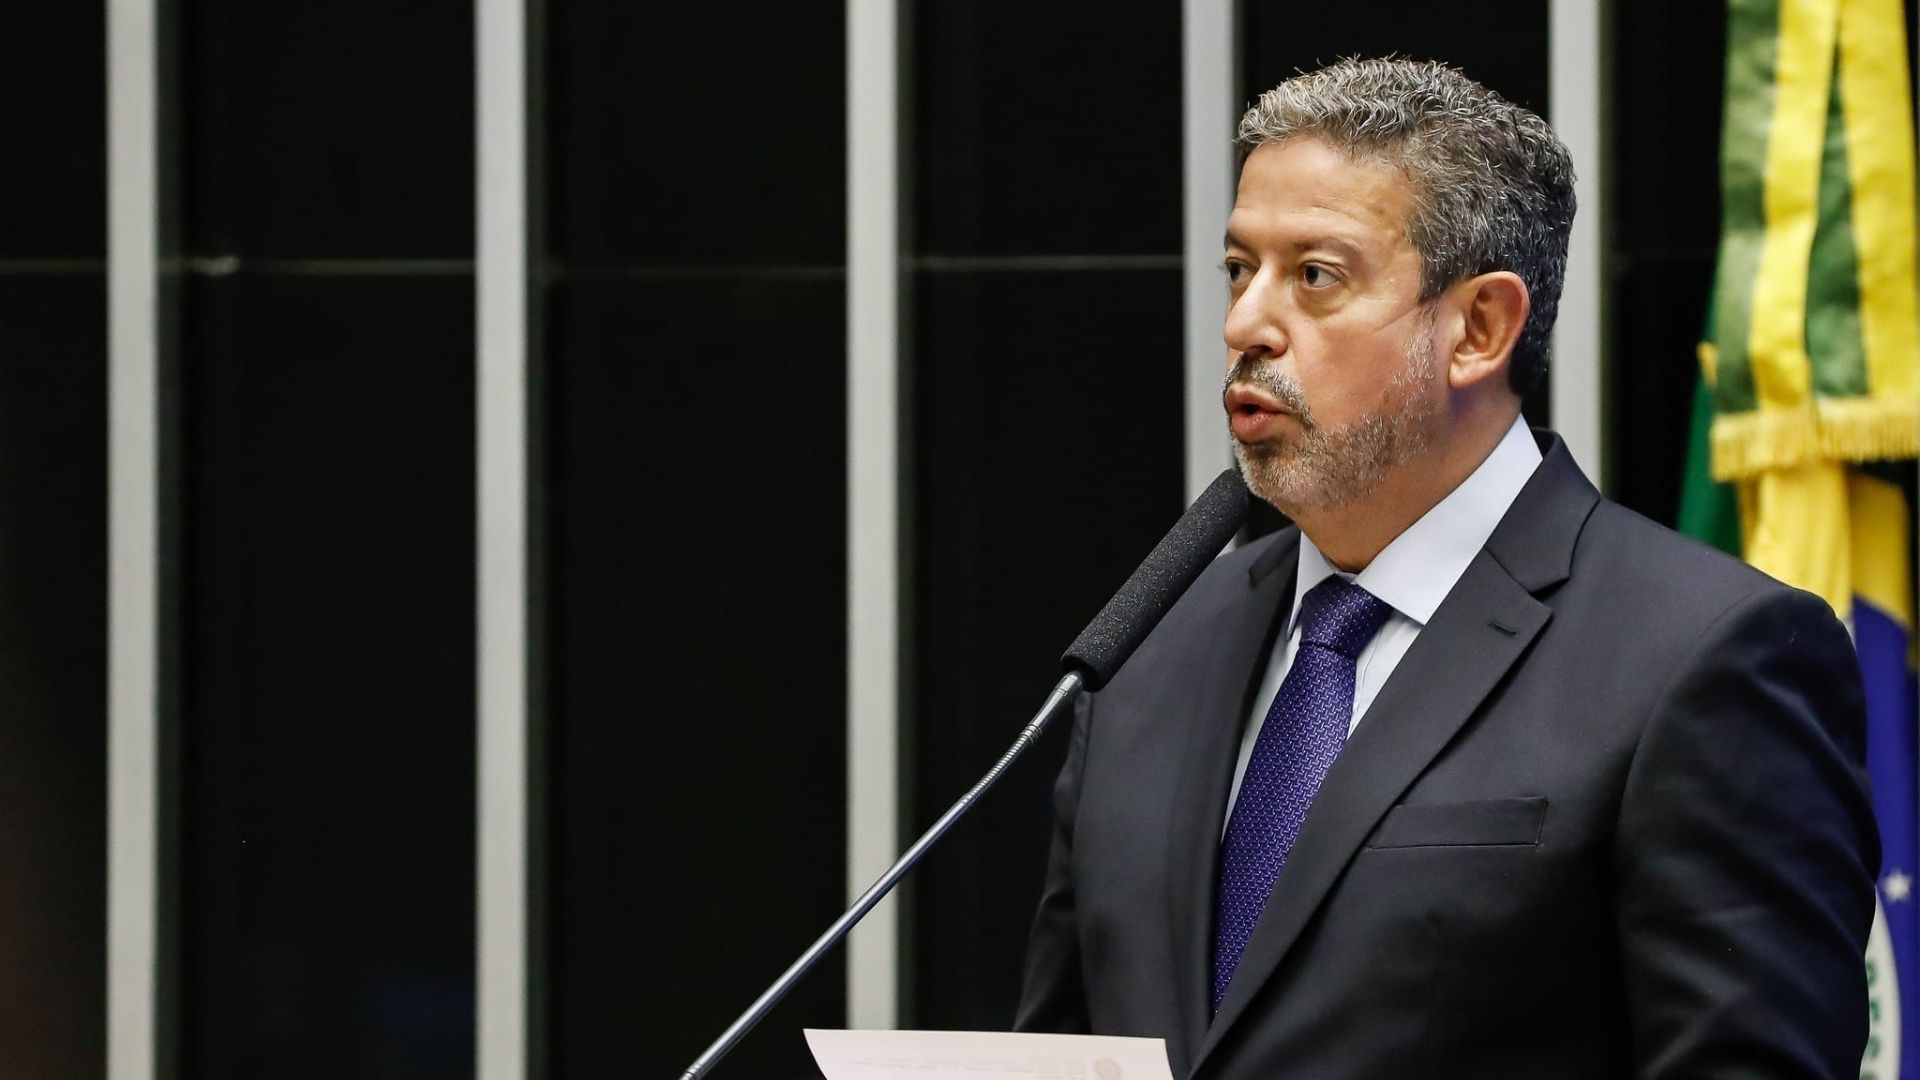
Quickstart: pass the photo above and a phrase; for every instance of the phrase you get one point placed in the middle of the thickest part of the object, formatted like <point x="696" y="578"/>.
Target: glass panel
<point x="325" y="539"/>
<point x="1048" y="129"/>
<point x="1045" y="444"/>
<point x="327" y="565"/>
<point x="693" y="521"/>
<point x="343" y="131"/>
<point x="697" y="663"/>
<point x="53" y="534"/>
<point x="1048" y="463"/>
<point x="1663" y="231"/>
<point x="704" y="134"/>
<point x="1281" y="40"/>
<point x="53" y="675"/>
<point x="53" y="197"/>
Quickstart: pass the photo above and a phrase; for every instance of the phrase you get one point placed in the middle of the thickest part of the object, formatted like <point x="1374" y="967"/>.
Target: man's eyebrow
<point x="1344" y="246"/>
<point x="1335" y="243"/>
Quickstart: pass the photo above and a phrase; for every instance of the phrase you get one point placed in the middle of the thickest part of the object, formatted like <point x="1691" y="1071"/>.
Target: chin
<point x="1297" y="481"/>
<point x="1273" y="475"/>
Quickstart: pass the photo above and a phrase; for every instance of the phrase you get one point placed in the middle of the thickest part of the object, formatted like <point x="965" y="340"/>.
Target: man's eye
<point x="1316" y="276"/>
<point x="1236" y="272"/>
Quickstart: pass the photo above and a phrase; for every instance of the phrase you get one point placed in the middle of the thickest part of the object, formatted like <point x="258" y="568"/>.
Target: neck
<point x="1350" y="536"/>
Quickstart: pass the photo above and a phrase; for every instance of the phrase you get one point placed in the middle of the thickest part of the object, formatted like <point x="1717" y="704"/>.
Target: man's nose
<point x="1253" y="323"/>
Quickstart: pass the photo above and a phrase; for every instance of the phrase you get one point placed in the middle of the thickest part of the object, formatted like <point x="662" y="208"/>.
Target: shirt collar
<point x="1415" y="572"/>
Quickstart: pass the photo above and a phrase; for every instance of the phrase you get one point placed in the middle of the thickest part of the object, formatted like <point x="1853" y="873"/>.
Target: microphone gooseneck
<point x="1173" y="565"/>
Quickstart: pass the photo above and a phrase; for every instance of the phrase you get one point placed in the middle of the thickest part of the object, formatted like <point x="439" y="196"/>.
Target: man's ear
<point x="1493" y="309"/>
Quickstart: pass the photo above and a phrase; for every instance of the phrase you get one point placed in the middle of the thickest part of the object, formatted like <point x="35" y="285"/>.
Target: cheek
<point x="1347" y="377"/>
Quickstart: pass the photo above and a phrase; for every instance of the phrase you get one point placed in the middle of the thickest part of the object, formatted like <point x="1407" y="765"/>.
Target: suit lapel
<point x="1220" y="702"/>
<point x="1475" y="637"/>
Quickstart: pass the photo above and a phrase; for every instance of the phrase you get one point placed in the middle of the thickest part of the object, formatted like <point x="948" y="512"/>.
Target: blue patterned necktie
<point x="1304" y="731"/>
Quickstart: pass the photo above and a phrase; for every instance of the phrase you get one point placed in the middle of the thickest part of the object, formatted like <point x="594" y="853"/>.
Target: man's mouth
<point x="1245" y="397"/>
<point x="1251" y="412"/>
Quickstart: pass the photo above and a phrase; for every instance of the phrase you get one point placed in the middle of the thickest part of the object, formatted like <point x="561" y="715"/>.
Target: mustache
<point x="1283" y="388"/>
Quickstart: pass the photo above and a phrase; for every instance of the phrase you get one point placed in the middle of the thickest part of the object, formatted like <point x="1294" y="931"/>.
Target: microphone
<point x="1174" y="565"/>
<point x="1094" y="657"/>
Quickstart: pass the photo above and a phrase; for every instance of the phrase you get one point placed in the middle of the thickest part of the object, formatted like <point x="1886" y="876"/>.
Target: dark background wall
<point x="1044" y="356"/>
<point x="694" y="436"/>
<point x="53" y="559"/>
<point x="1663" y="231"/>
<point x="323" y="180"/>
<point x="689" y="292"/>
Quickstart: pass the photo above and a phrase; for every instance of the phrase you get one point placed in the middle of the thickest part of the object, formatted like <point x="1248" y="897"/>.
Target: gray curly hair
<point x="1493" y="185"/>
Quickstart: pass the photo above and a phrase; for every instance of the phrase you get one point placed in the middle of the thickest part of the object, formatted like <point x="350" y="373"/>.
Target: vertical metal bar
<point x="1577" y="392"/>
<point x="501" y="428"/>
<point x="873" y="486"/>
<point x="133" y="560"/>
<point x="1208" y="75"/>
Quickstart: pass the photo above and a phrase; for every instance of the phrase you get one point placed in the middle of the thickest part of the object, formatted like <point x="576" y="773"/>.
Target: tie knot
<point x="1339" y="615"/>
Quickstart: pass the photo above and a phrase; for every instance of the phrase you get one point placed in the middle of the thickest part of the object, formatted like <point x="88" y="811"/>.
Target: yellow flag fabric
<point x="1814" y="350"/>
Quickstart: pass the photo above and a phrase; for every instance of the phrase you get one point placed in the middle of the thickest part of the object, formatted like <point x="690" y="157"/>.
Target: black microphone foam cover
<point x="1173" y="565"/>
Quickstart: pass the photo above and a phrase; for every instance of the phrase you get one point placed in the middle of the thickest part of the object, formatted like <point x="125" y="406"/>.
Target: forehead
<point x="1304" y="189"/>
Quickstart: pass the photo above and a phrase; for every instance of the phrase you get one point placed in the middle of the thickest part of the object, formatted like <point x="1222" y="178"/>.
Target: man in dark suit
<point x="1473" y="773"/>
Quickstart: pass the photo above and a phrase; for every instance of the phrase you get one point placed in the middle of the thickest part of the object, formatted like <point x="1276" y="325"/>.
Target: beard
<point x="1323" y="470"/>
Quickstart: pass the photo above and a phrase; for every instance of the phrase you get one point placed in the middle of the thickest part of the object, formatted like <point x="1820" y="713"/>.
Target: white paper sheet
<point x="979" y="1055"/>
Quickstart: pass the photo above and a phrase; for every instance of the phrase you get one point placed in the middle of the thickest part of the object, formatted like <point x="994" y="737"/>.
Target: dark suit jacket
<point x="1607" y="818"/>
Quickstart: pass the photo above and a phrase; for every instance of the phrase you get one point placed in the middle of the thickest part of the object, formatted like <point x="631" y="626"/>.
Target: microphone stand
<point x="1169" y="570"/>
<point x="1064" y="692"/>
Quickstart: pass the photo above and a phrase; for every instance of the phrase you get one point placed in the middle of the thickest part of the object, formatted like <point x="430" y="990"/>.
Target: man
<point x="1473" y="773"/>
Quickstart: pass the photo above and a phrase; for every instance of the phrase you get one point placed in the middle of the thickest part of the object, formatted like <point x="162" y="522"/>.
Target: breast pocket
<point x="1482" y="823"/>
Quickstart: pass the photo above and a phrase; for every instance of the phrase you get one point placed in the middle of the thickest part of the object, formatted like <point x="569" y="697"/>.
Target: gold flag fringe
<point x="1831" y="429"/>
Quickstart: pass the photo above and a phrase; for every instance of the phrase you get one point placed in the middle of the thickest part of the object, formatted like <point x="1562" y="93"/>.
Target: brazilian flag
<point x="1808" y="416"/>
